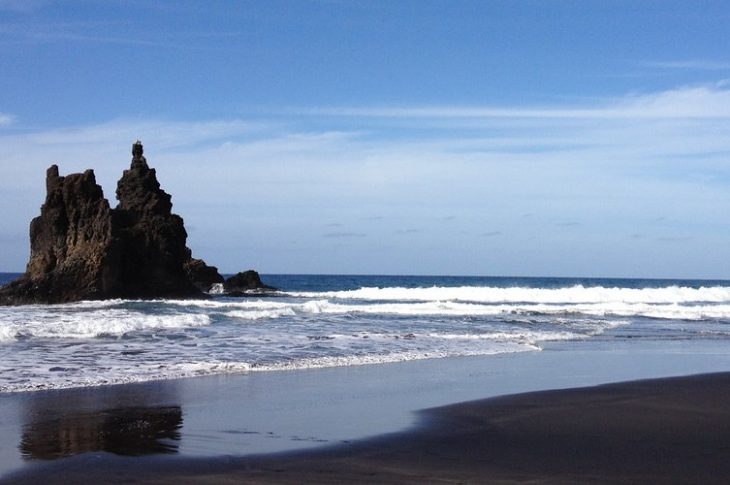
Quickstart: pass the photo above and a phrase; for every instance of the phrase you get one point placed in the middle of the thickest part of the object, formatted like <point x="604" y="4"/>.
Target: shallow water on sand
<point x="278" y="411"/>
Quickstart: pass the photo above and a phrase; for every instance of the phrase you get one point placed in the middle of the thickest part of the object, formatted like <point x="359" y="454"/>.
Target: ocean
<point x="320" y="321"/>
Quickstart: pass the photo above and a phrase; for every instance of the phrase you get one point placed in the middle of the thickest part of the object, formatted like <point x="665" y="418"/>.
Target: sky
<point x="515" y="138"/>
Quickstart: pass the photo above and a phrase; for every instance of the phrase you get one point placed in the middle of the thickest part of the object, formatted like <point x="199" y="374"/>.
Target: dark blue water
<point x="352" y="282"/>
<point x="299" y="282"/>
<point x="6" y="278"/>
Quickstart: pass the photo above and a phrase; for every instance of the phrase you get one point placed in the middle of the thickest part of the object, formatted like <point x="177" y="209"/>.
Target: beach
<point x="378" y="242"/>
<point x="665" y="431"/>
<point x="396" y="423"/>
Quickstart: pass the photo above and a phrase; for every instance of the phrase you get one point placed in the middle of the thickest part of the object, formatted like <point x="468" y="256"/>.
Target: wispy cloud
<point x="705" y="101"/>
<point x="6" y="119"/>
<point x="688" y="64"/>
<point x="164" y="134"/>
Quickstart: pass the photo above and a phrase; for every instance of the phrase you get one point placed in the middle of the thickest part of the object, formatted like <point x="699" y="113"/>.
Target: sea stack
<point x="81" y="249"/>
<point x="151" y="239"/>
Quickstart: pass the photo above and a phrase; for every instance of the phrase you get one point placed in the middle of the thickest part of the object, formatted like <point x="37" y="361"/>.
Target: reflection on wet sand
<point x="123" y="431"/>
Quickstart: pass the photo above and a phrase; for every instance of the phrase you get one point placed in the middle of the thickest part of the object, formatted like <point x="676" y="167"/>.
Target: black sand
<point x="673" y="430"/>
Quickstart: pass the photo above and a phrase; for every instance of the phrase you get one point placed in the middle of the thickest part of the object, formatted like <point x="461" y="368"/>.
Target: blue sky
<point x="561" y="138"/>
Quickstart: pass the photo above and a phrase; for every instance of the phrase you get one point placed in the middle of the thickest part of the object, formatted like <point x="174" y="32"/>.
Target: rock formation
<point x="200" y="274"/>
<point x="83" y="249"/>
<point x="152" y="250"/>
<point x="244" y="282"/>
<point x="71" y="244"/>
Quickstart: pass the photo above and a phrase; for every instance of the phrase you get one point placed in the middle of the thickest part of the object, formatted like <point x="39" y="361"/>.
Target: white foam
<point x="420" y="308"/>
<point x="370" y="359"/>
<point x="260" y="314"/>
<point x="224" y="304"/>
<point x="217" y="289"/>
<point x="450" y="308"/>
<point x="152" y="372"/>
<point x="661" y="311"/>
<point x="518" y="336"/>
<point x="47" y="323"/>
<point x="7" y="333"/>
<point x="328" y="329"/>
<point x="206" y="368"/>
<point x="132" y="374"/>
<point x="573" y="294"/>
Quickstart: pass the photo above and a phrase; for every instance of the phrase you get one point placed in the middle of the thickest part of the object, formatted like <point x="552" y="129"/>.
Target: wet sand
<point x="674" y="430"/>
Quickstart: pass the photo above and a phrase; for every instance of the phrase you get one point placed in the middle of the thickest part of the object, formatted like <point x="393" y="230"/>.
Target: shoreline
<point x="200" y="424"/>
<point x="667" y="430"/>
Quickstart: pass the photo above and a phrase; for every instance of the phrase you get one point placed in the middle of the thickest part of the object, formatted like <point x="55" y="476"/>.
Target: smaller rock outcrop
<point x="202" y="275"/>
<point x="245" y="282"/>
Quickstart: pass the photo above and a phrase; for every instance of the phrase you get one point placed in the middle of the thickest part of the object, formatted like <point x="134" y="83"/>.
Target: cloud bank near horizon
<point x="256" y="191"/>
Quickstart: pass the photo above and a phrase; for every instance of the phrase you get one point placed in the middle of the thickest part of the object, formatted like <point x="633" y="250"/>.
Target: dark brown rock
<point x="202" y="275"/>
<point x="152" y="250"/>
<point x="82" y="249"/>
<point x="71" y="244"/>
<point x="244" y="282"/>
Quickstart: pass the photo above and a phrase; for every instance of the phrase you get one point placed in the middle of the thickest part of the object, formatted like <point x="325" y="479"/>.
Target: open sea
<point x="318" y="321"/>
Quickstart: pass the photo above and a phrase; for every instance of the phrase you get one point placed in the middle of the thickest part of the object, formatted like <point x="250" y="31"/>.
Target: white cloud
<point x="707" y="101"/>
<point x="167" y="134"/>
<point x="689" y="64"/>
<point x="692" y="102"/>
<point x="262" y="184"/>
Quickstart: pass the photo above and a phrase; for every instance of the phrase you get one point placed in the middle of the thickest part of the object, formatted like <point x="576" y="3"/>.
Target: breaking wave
<point x="119" y="341"/>
<point x="574" y="294"/>
<point x="47" y="323"/>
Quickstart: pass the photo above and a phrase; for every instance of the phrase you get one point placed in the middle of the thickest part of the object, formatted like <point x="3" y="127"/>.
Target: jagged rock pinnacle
<point x="138" y="159"/>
